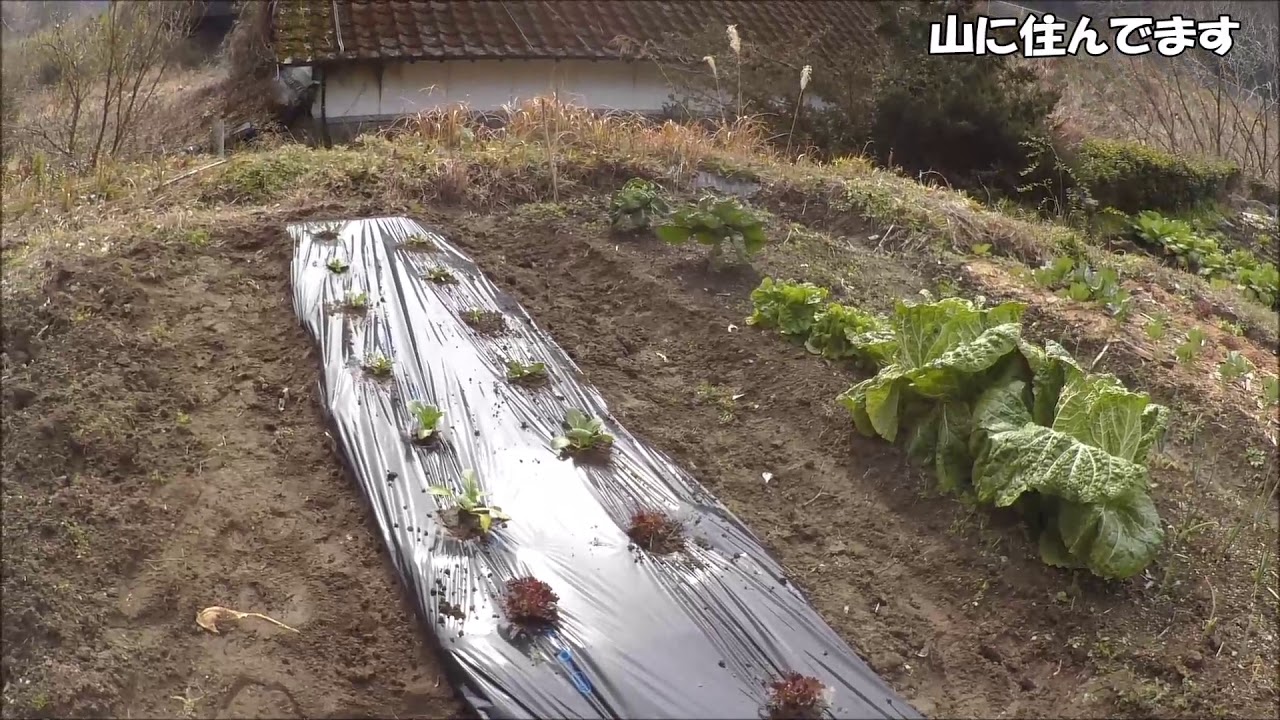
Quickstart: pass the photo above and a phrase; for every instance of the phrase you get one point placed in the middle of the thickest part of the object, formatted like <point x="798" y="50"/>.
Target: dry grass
<point x="453" y="156"/>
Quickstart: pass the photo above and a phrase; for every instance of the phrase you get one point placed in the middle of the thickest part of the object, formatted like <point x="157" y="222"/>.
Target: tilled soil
<point x="164" y="452"/>
<point x="951" y="605"/>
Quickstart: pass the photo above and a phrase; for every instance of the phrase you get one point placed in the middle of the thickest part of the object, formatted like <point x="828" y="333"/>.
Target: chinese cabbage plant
<point x="636" y="205"/>
<point x="715" y="221"/>
<point x="998" y="418"/>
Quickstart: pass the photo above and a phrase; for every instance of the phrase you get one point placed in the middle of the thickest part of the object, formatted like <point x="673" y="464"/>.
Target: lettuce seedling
<point x="1271" y="390"/>
<point x="798" y="697"/>
<point x="526" y="373"/>
<point x="378" y="366"/>
<point x="428" y="417"/>
<point x="418" y="242"/>
<point x="470" y="502"/>
<point x="485" y="322"/>
<point x="715" y="222"/>
<point x="655" y="532"/>
<point x="337" y="266"/>
<point x="636" y="205"/>
<point x="440" y="275"/>
<point x="531" y="603"/>
<point x="357" y="302"/>
<point x="584" y="433"/>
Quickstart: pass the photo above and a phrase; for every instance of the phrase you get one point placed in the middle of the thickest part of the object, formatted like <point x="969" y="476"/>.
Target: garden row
<point x="997" y="417"/>
<point x="530" y="604"/>
<point x="1202" y="254"/>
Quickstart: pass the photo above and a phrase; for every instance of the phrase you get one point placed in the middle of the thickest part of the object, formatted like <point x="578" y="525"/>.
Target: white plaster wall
<point x="353" y="91"/>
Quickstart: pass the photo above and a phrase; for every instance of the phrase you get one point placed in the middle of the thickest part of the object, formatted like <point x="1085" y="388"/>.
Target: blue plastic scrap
<point x="698" y="633"/>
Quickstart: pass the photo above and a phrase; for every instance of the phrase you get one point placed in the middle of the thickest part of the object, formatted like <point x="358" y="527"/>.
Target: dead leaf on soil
<point x="208" y="618"/>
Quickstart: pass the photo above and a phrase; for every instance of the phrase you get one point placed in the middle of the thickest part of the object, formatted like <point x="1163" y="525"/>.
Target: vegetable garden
<point x="567" y="559"/>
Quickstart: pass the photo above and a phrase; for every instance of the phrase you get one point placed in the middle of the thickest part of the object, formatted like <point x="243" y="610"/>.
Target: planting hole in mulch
<point x="598" y="454"/>
<point x="418" y="243"/>
<point x="530" y="604"/>
<point x="441" y="275"/>
<point x="464" y="525"/>
<point x="326" y="235"/>
<point x="797" y="697"/>
<point x="655" y="532"/>
<point x="485" y="322"/>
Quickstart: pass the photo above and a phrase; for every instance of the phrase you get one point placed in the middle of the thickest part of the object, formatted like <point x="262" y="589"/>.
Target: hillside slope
<point x="163" y="453"/>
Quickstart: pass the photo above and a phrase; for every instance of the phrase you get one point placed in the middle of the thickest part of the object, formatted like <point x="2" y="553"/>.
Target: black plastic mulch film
<point x="695" y="634"/>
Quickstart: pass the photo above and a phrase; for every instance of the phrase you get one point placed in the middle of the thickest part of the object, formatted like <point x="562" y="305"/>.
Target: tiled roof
<point x="304" y="31"/>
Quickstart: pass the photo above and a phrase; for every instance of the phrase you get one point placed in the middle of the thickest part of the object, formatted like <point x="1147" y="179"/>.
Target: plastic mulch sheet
<point x="699" y="633"/>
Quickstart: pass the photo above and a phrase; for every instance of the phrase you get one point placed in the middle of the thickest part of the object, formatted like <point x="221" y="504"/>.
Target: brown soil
<point x="949" y="604"/>
<point x="153" y="457"/>
<point x="164" y="452"/>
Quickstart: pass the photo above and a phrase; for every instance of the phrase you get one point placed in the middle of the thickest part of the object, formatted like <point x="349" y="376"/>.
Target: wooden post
<point x="219" y="137"/>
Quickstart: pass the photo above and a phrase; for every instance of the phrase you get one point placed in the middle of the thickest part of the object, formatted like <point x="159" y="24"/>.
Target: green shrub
<point x="1131" y="177"/>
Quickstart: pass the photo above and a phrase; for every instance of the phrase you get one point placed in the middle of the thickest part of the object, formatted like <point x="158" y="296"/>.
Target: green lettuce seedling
<point x="530" y="373"/>
<point x="440" y="275"/>
<point x="357" y="301"/>
<point x="428" y="417"/>
<point x="378" y="366"/>
<point x="471" y="501"/>
<point x="337" y="266"/>
<point x="584" y="433"/>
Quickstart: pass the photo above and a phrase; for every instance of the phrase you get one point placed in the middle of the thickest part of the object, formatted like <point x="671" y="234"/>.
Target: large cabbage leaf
<point x="1088" y="465"/>
<point x="937" y="349"/>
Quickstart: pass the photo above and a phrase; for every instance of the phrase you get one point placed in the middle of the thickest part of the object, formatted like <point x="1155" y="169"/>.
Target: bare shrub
<point x="107" y="71"/>
<point x="1197" y="103"/>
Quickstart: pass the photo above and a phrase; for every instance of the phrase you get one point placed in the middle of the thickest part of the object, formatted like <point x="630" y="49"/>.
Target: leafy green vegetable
<point x="715" y="222"/>
<point x="1088" y="468"/>
<point x="584" y="433"/>
<point x="337" y="266"/>
<point x="636" y="205"/>
<point x="832" y="330"/>
<point x="939" y="347"/>
<point x="792" y="308"/>
<point x="470" y="501"/>
<point x="428" y="417"/>
<point x="1235" y="366"/>
<point x="527" y="373"/>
